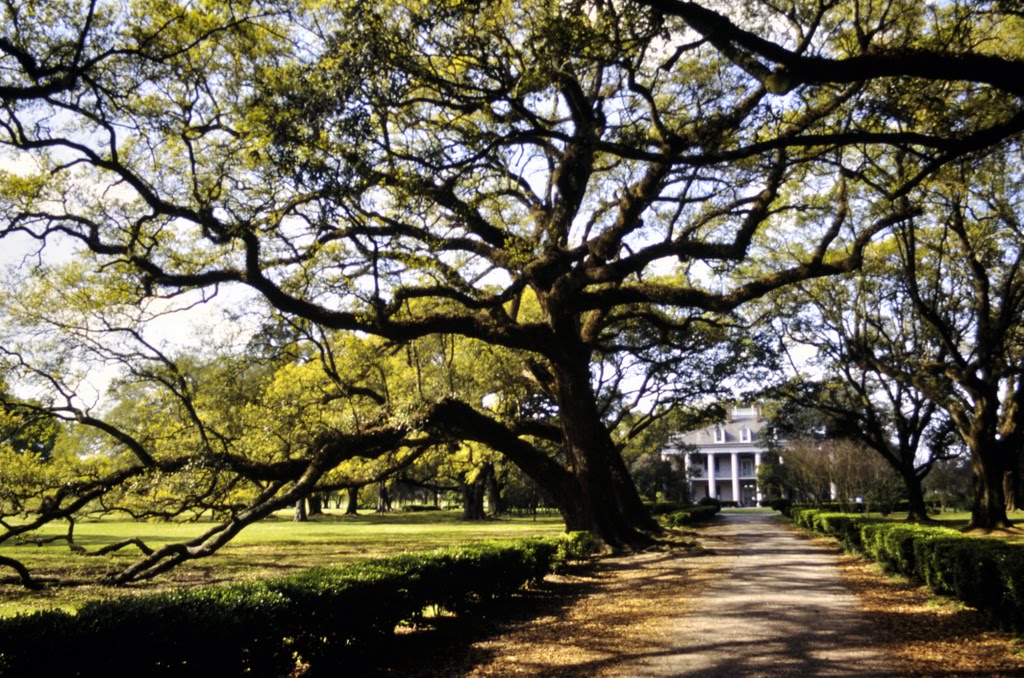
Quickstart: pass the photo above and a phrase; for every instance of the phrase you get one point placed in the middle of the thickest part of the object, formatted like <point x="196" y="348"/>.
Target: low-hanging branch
<point x="23" y="573"/>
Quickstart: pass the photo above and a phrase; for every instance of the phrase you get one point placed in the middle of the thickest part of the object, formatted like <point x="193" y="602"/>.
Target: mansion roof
<point x="743" y="428"/>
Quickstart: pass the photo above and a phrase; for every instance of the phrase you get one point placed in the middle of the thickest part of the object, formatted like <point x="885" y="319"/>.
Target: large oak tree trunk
<point x="988" y="511"/>
<point x="592" y="490"/>
<point x="606" y="502"/>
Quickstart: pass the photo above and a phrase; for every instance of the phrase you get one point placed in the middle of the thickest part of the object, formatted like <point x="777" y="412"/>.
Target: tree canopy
<point x="590" y="190"/>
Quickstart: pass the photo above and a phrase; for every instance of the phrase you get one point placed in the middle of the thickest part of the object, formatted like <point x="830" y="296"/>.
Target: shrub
<point x="660" y="508"/>
<point x="987" y="574"/>
<point x="692" y="515"/>
<point x="260" y="629"/>
<point x="845" y="527"/>
<point x="577" y="545"/>
<point x="804" y="517"/>
<point x="892" y="544"/>
<point x="709" y="501"/>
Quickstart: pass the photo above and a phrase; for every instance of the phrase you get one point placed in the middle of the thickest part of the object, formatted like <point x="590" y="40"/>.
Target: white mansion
<point x="721" y="460"/>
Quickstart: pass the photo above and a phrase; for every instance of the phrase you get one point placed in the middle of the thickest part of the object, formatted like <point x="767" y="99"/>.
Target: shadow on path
<point x="757" y="599"/>
<point x="778" y="608"/>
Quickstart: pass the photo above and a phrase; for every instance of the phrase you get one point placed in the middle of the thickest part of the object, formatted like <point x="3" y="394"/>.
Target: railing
<point x="700" y="473"/>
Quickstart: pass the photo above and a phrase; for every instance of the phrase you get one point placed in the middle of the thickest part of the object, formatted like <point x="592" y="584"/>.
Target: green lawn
<point x="959" y="520"/>
<point x="273" y="547"/>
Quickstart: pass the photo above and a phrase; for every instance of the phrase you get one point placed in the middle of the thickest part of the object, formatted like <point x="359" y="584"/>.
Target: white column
<point x="735" y="476"/>
<point x="757" y="465"/>
<point x="712" y="488"/>
<point x="686" y="474"/>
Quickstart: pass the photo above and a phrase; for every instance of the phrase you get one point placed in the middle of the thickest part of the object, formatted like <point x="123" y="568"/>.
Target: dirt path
<point x="748" y="596"/>
<point x="778" y="608"/>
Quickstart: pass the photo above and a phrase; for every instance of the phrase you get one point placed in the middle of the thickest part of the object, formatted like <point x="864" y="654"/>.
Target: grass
<point x="959" y="520"/>
<point x="274" y="547"/>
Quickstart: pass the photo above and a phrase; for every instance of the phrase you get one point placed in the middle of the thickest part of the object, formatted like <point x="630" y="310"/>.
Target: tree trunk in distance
<point x="316" y="505"/>
<point x="1009" y="490"/>
<point x="383" y="499"/>
<point x="917" y="510"/>
<point x="473" y="496"/>
<point x="300" y="511"/>
<point x="353" y="502"/>
<point x="494" y="502"/>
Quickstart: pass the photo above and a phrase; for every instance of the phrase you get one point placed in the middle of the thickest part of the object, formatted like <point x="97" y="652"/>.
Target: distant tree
<point x="652" y="474"/>
<point x="840" y="470"/>
<point x="949" y="485"/>
<point x="960" y="268"/>
<point x="772" y="477"/>
<point x="888" y="418"/>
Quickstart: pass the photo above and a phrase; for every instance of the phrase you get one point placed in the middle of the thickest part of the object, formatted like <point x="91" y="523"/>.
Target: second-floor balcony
<point x="698" y="472"/>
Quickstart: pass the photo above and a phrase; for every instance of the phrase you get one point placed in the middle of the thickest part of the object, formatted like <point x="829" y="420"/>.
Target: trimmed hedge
<point x="694" y="514"/>
<point x="661" y="508"/>
<point x="324" y="616"/>
<point x="986" y="573"/>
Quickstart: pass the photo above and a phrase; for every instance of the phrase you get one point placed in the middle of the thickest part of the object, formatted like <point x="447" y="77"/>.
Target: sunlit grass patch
<point x="273" y="547"/>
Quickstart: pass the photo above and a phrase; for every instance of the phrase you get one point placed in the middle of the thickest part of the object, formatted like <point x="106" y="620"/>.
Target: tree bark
<point x="606" y="502"/>
<point x="594" y="493"/>
<point x="316" y="505"/>
<point x="1009" y="490"/>
<point x="300" y="511"/>
<point x="473" y="496"/>
<point x="353" y="502"/>
<point x="26" y="577"/>
<point x="495" y="504"/>
<point x="383" y="498"/>
<point x="917" y="511"/>
<point x="988" y="512"/>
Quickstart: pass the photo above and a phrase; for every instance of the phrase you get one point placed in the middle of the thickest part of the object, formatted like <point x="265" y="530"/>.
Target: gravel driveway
<point x="778" y="608"/>
<point x="747" y="595"/>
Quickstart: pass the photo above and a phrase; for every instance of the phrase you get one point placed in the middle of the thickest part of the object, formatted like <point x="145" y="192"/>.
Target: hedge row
<point x="661" y="508"/>
<point x="694" y="514"/>
<point x="324" y="617"/>
<point x="986" y="573"/>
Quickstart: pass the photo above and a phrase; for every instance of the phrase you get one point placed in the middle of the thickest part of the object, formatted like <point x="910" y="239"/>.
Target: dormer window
<point x="719" y="434"/>
<point x="745" y="435"/>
